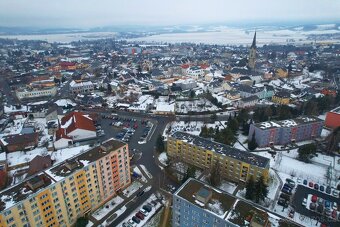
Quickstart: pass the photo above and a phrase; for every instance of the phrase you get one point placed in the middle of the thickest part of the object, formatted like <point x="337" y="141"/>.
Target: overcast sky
<point x="90" y="13"/>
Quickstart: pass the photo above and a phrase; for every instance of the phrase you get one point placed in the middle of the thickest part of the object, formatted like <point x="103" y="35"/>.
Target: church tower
<point x="252" y="54"/>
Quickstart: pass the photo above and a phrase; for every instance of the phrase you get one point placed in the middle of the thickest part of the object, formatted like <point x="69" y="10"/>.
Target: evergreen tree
<point x="233" y="125"/>
<point x="190" y="173"/>
<point x="250" y="189"/>
<point x="160" y="146"/>
<point x="215" y="175"/>
<point x="109" y="88"/>
<point x="252" y="144"/>
<point x="306" y="152"/>
<point x="261" y="190"/>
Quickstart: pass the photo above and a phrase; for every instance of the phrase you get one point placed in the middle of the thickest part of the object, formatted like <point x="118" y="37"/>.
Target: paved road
<point x="301" y="193"/>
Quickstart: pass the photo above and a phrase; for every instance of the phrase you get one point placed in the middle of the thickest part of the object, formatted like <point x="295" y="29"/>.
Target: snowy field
<point x="107" y="207"/>
<point x="200" y="105"/>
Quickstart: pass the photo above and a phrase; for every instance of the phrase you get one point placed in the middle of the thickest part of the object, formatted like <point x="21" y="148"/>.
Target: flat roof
<point x="288" y="123"/>
<point x="226" y="206"/>
<point x="223" y="149"/>
<point x="79" y="161"/>
<point x="14" y="194"/>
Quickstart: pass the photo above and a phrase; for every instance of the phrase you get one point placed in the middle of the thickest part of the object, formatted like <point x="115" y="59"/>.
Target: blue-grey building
<point x="287" y="131"/>
<point x="196" y="204"/>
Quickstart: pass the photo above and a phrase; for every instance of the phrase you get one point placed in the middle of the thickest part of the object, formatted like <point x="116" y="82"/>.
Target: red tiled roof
<point x="78" y="121"/>
<point x="65" y="64"/>
<point x="61" y="133"/>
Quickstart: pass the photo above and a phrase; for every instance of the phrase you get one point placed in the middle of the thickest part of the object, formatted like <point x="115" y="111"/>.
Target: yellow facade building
<point x="281" y="97"/>
<point x="72" y="189"/>
<point x="234" y="165"/>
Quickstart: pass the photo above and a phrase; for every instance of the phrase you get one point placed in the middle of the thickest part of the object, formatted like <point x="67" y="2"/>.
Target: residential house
<point x="246" y="102"/>
<point x="281" y="97"/>
<point x="19" y="142"/>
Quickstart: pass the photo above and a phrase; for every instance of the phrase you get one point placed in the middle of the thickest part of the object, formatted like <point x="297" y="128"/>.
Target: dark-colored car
<point x="283" y="202"/>
<point x="322" y="188"/>
<point x="316" y="186"/>
<point x="305" y="182"/>
<point x="285" y="196"/>
<point x="140" y="193"/>
<point x="287" y="191"/>
<point x="312" y="206"/>
<point x="148" y="208"/>
<point x="136" y="219"/>
<point x="286" y="185"/>
<point x="140" y="215"/>
<point x="328" y="190"/>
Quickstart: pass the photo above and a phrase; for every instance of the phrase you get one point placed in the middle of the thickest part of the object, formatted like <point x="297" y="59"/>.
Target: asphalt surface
<point x="301" y="193"/>
<point x="146" y="150"/>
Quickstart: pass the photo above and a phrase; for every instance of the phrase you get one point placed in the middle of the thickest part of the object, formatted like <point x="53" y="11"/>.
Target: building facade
<point x="281" y="97"/>
<point x="36" y="93"/>
<point x="196" y="203"/>
<point x="61" y="194"/>
<point x="81" y="87"/>
<point x="235" y="165"/>
<point x="271" y="133"/>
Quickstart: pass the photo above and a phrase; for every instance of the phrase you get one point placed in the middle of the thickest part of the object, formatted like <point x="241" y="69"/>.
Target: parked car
<point x="304" y="202"/>
<point x="140" y="215"/>
<point x="320" y="200"/>
<point x="285" y="196"/>
<point x="327" y="204"/>
<point x="140" y="193"/>
<point x="291" y="213"/>
<point x="335" y="206"/>
<point x="322" y="188"/>
<point x="328" y="190"/>
<point x="144" y="212"/>
<point x="148" y="208"/>
<point x="328" y="211"/>
<point x="335" y="193"/>
<point x="334" y="214"/>
<point x="320" y="208"/>
<point x="299" y="180"/>
<point x="136" y="219"/>
<point x="291" y="182"/>
<point x="305" y="182"/>
<point x="287" y="191"/>
<point x="316" y="186"/>
<point x="314" y="198"/>
<point x="288" y="186"/>
<point x="312" y="206"/>
<point x="311" y="184"/>
<point x="283" y="202"/>
<point x="132" y="223"/>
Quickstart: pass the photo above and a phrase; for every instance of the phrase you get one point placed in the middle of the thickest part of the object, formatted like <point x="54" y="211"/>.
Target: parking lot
<point x="302" y="192"/>
<point x="131" y="130"/>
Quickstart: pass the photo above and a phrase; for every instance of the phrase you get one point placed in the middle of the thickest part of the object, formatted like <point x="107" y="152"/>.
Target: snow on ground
<point x="198" y="173"/>
<point x="114" y="216"/>
<point x="137" y="170"/>
<point x="147" y="218"/>
<point x="155" y="220"/>
<point x="227" y="186"/>
<point x="192" y="127"/>
<point x="146" y="171"/>
<point x="89" y="224"/>
<point x="14" y="128"/>
<point x="163" y="158"/>
<point x="132" y="188"/>
<point x="199" y="105"/>
<point x="66" y="153"/>
<point x="65" y="102"/>
<point x="274" y="184"/>
<point x="20" y="157"/>
<point x="36" y="103"/>
<point x="107" y="207"/>
<point x="325" y="132"/>
<point x="12" y="109"/>
<point x="180" y="167"/>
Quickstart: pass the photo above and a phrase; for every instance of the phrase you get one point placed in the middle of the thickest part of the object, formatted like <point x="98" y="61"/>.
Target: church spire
<point x="254" y="41"/>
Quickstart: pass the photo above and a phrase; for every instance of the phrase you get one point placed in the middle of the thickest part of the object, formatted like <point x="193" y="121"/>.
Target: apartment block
<point x="287" y="131"/>
<point x="197" y="204"/>
<point x="234" y="164"/>
<point x="84" y="87"/>
<point x="72" y="189"/>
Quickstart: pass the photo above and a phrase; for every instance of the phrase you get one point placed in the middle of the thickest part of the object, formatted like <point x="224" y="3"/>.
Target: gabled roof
<point x="76" y="120"/>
